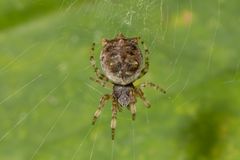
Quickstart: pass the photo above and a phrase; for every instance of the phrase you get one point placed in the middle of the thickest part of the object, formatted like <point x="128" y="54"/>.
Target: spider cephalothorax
<point x="122" y="63"/>
<point x="123" y="94"/>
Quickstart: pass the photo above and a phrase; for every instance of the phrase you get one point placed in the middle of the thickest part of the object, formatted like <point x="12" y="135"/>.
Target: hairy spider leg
<point x="114" y="116"/>
<point x="146" y="61"/>
<point x="100" y="107"/>
<point x="132" y="106"/>
<point x="100" y="76"/>
<point x="133" y="110"/>
<point x="101" y="82"/>
<point x="140" y="94"/>
<point x="150" y="84"/>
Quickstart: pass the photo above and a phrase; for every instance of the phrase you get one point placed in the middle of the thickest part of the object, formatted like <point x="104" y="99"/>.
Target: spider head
<point x="121" y="59"/>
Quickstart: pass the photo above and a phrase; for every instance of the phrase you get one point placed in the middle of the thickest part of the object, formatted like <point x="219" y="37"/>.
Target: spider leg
<point x="114" y="117"/>
<point x="150" y="84"/>
<point x="133" y="110"/>
<point x="140" y="93"/>
<point x="132" y="106"/>
<point x="93" y="63"/>
<point x="101" y="82"/>
<point x="146" y="65"/>
<point x="100" y="107"/>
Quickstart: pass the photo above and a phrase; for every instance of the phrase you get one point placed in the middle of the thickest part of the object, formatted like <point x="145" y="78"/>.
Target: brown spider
<point x="122" y="64"/>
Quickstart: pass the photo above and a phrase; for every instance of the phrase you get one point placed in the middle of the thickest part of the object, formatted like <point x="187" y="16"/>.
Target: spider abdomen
<point x="121" y="59"/>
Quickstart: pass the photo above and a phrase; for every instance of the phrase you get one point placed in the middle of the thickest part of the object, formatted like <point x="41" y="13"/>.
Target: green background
<point x="47" y="100"/>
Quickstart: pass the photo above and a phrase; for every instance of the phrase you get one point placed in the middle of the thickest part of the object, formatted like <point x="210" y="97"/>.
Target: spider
<point x="122" y="63"/>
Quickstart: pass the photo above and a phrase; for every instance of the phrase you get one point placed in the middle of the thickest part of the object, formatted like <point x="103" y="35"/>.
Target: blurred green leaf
<point x="44" y="65"/>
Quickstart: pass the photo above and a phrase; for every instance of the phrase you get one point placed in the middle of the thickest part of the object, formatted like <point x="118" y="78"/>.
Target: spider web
<point x="47" y="100"/>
